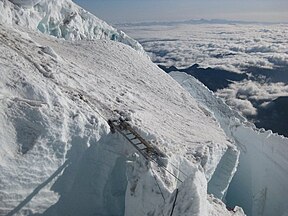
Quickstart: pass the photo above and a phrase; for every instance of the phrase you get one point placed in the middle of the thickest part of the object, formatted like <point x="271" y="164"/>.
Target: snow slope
<point x="58" y="156"/>
<point x="260" y="184"/>
<point x="62" y="19"/>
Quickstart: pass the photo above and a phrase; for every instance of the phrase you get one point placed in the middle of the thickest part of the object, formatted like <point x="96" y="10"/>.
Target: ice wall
<point x="62" y="19"/>
<point x="224" y="173"/>
<point x="226" y="167"/>
<point x="95" y="184"/>
<point x="260" y="183"/>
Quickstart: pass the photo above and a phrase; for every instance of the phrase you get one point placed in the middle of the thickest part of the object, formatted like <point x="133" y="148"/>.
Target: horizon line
<point x="198" y="21"/>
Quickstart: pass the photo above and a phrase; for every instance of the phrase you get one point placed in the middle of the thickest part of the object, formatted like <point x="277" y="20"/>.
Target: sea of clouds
<point x="232" y="47"/>
<point x="227" y="46"/>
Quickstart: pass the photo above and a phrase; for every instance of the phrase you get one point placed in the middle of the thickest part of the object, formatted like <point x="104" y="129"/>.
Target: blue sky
<point x="119" y="11"/>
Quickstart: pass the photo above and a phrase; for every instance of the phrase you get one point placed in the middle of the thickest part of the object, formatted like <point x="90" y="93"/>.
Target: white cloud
<point x="239" y="95"/>
<point x="279" y="59"/>
<point x="244" y="106"/>
<point x="261" y="49"/>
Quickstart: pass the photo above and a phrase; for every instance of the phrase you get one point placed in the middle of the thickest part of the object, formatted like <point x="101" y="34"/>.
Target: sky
<point x="123" y="11"/>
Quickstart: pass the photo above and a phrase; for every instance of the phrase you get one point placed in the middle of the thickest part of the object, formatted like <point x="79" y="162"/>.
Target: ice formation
<point x="62" y="19"/>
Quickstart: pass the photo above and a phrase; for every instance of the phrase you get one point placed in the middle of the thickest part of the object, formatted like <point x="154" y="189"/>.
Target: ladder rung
<point x="140" y="144"/>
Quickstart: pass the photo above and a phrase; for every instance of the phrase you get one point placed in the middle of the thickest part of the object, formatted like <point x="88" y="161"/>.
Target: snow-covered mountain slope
<point x="58" y="156"/>
<point x="62" y="19"/>
<point x="260" y="184"/>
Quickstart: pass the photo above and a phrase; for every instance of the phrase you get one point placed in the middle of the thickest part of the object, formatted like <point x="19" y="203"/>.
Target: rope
<point x="174" y="203"/>
<point x="159" y="189"/>
<point x="166" y="170"/>
<point x="179" y="170"/>
<point x="158" y="185"/>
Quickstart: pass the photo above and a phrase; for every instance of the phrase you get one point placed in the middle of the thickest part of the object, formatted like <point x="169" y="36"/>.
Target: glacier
<point x="59" y="156"/>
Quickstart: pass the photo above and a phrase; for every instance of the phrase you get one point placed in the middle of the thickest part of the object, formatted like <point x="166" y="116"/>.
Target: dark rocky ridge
<point x="213" y="78"/>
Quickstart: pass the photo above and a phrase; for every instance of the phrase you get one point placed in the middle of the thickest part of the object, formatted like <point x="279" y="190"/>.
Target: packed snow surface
<point x="58" y="156"/>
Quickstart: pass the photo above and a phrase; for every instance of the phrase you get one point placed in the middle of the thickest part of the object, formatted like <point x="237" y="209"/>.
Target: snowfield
<point x="58" y="155"/>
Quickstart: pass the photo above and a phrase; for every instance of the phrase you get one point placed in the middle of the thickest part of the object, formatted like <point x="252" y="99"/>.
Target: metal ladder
<point x="147" y="150"/>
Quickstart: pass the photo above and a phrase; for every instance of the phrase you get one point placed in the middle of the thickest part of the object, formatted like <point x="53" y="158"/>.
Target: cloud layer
<point x="232" y="47"/>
